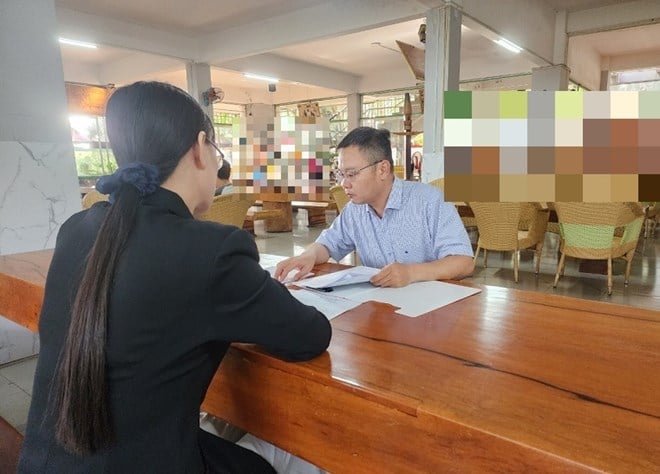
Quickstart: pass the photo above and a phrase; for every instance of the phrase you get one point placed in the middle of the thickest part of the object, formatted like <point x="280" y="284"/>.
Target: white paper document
<point x="349" y="276"/>
<point x="269" y="262"/>
<point x="412" y="300"/>
<point x="327" y="303"/>
<point x="420" y="297"/>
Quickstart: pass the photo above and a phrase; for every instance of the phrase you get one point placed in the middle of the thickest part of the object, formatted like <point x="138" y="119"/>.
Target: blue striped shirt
<point x="417" y="227"/>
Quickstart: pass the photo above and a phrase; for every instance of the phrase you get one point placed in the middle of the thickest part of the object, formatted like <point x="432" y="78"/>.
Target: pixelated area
<point x="552" y="146"/>
<point x="282" y="158"/>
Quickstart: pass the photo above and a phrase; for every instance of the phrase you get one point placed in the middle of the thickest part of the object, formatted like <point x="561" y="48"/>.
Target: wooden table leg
<point x="315" y="216"/>
<point x="279" y="224"/>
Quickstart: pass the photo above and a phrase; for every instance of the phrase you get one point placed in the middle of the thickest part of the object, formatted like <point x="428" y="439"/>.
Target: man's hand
<point x="303" y="263"/>
<point x="394" y="275"/>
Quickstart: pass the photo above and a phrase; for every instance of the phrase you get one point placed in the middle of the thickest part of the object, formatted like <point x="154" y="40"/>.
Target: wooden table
<point x="504" y="381"/>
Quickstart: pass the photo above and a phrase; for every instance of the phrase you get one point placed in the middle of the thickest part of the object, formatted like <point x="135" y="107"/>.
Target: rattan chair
<point x="341" y="199"/>
<point x="339" y="195"/>
<point x="229" y="209"/>
<point x="92" y="198"/>
<point x="599" y="231"/>
<point x="462" y="207"/>
<point x="553" y="226"/>
<point x="500" y="224"/>
<point x="650" y="217"/>
<point x="438" y="183"/>
<point x="468" y="221"/>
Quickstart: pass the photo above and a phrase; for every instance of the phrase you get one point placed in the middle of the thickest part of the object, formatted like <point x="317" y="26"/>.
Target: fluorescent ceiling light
<point x="260" y="77"/>
<point x="81" y="44"/>
<point x="509" y="45"/>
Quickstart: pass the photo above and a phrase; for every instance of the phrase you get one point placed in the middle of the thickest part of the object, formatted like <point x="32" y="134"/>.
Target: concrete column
<point x="441" y="72"/>
<point x="560" y="47"/>
<point x="198" y="76"/>
<point x="38" y="181"/>
<point x="555" y="78"/>
<point x="353" y="110"/>
<point x="550" y="78"/>
<point x="604" y="80"/>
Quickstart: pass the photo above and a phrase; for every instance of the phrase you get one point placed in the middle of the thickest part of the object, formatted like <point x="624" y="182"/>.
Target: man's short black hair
<point x="375" y="142"/>
<point x="224" y="172"/>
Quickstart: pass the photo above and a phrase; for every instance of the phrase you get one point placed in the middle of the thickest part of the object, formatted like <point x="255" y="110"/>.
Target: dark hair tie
<point x="142" y="176"/>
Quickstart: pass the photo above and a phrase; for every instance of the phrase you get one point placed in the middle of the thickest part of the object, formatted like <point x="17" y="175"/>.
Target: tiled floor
<point x="643" y="291"/>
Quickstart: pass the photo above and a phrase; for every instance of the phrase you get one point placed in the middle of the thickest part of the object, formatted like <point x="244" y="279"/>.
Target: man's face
<point x="361" y="180"/>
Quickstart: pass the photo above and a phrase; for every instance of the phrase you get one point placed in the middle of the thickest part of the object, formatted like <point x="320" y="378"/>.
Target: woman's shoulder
<point x="216" y="236"/>
<point x="206" y="231"/>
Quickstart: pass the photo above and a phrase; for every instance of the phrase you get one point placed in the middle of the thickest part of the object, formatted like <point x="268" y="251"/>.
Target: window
<point x="92" y="151"/>
<point x="635" y="80"/>
<point x="385" y="110"/>
<point x="224" y="116"/>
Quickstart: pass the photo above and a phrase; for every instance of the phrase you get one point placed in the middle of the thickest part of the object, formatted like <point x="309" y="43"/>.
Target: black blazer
<point x="184" y="290"/>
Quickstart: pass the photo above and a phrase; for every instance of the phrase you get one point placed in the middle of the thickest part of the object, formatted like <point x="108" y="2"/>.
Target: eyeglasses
<point x="350" y="174"/>
<point x="219" y="155"/>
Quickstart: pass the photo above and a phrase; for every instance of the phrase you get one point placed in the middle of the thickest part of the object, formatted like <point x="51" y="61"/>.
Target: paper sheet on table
<point x="269" y="262"/>
<point x="327" y="303"/>
<point x="413" y="300"/>
<point x="421" y="297"/>
<point x="350" y="276"/>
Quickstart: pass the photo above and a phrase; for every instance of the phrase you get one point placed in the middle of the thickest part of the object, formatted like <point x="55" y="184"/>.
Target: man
<point x="223" y="183"/>
<point x="403" y="227"/>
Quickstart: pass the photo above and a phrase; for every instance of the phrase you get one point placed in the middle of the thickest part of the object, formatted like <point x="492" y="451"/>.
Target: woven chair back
<point x="438" y="183"/>
<point x="599" y="230"/>
<point x="230" y="209"/>
<point x="92" y="198"/>
<point x="498" y="224"/>
<point x="339" y="195"/>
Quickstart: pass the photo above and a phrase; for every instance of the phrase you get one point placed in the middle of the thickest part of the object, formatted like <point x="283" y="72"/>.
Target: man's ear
<point x="197" y="150"/>
<point x="383" y="168"/>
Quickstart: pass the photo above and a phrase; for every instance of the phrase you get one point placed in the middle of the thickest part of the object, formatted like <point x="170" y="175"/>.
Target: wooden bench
<point x="10" y="446"/>
<point x="315" y="211"/>
<point x="256" y="213"/>
<point x="278" y="215"/>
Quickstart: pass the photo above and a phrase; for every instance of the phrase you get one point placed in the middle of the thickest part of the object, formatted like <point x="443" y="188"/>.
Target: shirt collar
<point x="395" y="199"/>
<point x="169" y="200"/>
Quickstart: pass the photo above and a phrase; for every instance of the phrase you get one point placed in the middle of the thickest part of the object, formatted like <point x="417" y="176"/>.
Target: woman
<point x="142" y="302"/>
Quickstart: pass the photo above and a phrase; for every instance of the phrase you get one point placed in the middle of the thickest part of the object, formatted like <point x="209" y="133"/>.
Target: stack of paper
<point x="350" y="276"/>
<point x="338" y="292"/>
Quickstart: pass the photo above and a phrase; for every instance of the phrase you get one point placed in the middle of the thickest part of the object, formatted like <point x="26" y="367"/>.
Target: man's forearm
<point x="321" y="254"/>
<point x="453" y="267"/>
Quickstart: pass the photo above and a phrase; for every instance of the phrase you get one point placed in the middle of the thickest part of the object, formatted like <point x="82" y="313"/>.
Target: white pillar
<point x="550" y="78"/>
<point x="38" y="181"/>
<point x="604" y="80"/>
<point x="353" y="110"/>
<point x="441" y="73"/>
<point x="560" y="47"/>
<point x="555" y="77"/>
<point x="198" y="76"/>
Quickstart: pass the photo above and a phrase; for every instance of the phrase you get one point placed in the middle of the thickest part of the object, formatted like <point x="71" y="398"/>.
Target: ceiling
<point x="369" y="56"/>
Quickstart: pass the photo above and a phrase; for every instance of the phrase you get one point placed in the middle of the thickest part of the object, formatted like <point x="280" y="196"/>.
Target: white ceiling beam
<point x="75" y="71"/>
<point x="330" y="19"/>
<point x="136" y="67"/>
<point x="120" y="34"/>
<point x="268" y="64"/>
<point x="613" y="17"/>
<point x="529" y="24"/>
<point x="646" y="59"/>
